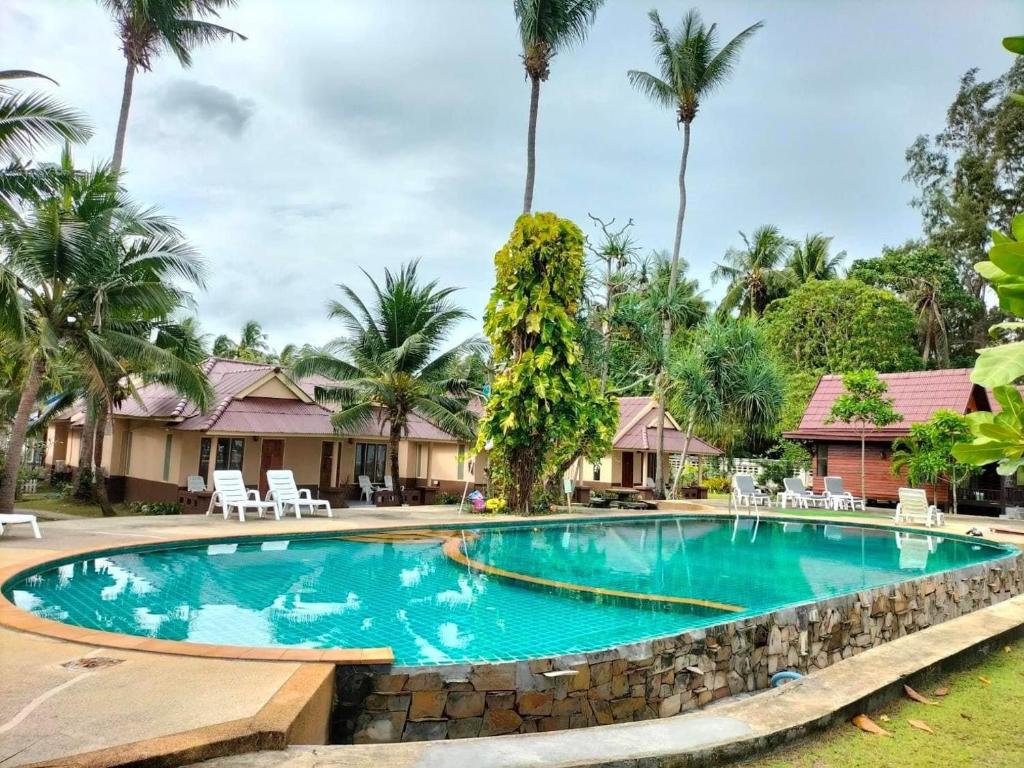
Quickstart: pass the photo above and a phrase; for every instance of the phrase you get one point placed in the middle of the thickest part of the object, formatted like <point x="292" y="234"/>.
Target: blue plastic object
<point x="784" y="677"/>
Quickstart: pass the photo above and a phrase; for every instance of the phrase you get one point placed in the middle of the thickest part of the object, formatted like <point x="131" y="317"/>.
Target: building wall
<point x="882" y="484"/>
<point x="273" y="388"/>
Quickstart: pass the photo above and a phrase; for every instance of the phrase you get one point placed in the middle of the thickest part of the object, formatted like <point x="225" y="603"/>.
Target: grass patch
<point x="975" y="724"/>
<point x="50" y="502"/>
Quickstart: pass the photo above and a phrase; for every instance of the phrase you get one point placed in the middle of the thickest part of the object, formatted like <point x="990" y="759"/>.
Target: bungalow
<point x="916" y="396"/>
<point x="260" y="419"/>
<point x="633" y="457"/>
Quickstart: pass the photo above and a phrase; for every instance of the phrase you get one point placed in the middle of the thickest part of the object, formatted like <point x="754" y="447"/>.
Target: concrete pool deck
<point x="48" y="714"/>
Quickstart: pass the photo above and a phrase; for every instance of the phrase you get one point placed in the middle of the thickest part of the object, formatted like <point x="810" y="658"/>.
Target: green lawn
<point x="977" y="723"/>
<point x="51" y="502"/>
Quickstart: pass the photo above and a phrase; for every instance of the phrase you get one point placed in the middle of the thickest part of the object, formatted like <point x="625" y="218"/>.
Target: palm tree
<point x="26" y="122"/>
<point x="691" y="66"/>
<point x="925" y="294"/>
<point x="726" y="382"/>
<point x="547" y="27"/>
<point x="811" y="259"/>
<point x="148" y="27"/>
<point x="251" y="345"/>
<point x="755" y="272"/>
<point x="389" y="366"/>
<point x="60" y="301"/>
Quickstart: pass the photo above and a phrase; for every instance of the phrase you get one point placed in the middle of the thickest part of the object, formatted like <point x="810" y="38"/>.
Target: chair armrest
<point x="253" y="493"/>
<point x="305" y="494"/>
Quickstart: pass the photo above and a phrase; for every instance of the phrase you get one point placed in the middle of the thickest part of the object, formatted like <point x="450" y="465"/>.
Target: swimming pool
<point x="490" y="593"/>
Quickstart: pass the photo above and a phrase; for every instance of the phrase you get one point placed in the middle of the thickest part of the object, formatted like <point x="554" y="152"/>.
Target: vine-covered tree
<point x="833" y="326"/>
<point x="542" y="398"/>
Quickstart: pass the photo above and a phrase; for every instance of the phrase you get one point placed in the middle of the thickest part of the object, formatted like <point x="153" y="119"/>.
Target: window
<point x="168" y="441"/>
<point x="205" y="445"/>
<point x="370" y="459"/>
<point x="128" y="453"/>
<point x="597" y="472"/>
<point x="461" y="459"/>
<point x="230" y="451"/>
<point x="822" y="461"/>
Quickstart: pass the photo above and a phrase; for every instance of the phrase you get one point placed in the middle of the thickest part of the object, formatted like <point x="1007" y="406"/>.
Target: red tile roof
<point x="643" y="434"/>
<point x="916" y="395"/>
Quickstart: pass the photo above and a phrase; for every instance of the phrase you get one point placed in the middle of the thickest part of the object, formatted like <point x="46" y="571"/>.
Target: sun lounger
<point x="914" y="507"/>
<point x="746" y="494"/>
<point x="840" y="498"/>
<point x="284" y="493"/>
<point x="797" y="495"/>
<point x="231" y="494"/>
<point x="19" y="519"/>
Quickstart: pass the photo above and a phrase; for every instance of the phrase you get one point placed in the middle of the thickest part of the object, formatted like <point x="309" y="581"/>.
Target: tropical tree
<point x="542" y="399"/>
<point x="147" y="28"/>
<point x="864" y="404"/>
<point x="725" y="383"/>
<point x="27" y="121"/>
<point x="251" y="344"/>
<point x="390" y="364"/>
<point x="547" y="27"/>
<point x="926" y="454"/>
<point x="755" y="273"/>
<point x="690" y="67"/>
<point x="812" y="260"/>
<point x="833" y="326"/>
<point x="61" y="302"/>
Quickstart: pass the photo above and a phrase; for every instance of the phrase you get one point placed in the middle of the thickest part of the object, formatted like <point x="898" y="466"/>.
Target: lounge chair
<point x="796" y="493"/>
<point x="283" y="492"/>
<point x="19" y="519"/>
<point x="231" y="493"/>
<point x="195" y="484"/>
<point x="366" y="488"/>
<point x="914" y="507"/>
<point x="746" y="494"/>
<point x="840" y="498"/>
<point x="388" y="484"/>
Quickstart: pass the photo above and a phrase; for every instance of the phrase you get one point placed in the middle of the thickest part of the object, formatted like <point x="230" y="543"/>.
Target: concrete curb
<point x="298" y="713"/>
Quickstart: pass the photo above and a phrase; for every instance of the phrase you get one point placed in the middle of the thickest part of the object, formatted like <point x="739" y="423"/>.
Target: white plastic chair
<point x="366" y="488"/>
<point x="389" y="484"/>
<point x="746" y="493"/>
<point x="796" y="493"/>
<point x="230" y="492"/>
<point x="283" y="492"/>
<point x="19" y="519"/>
<point x="840" y="498"/>
<point x="195" y="484"/>
<point x="914" y="507"/>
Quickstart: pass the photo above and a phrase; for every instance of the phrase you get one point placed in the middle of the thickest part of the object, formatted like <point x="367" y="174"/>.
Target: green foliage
<point x="799" y="388"/>
<point x="926" y="278"/>
<point x="251" y="345"/>
<point x="154" y="508"/>
<point x="969" y="175"/>
<point x="927" y="453"/>
<point x="863" y="403"/>
<point x="717" y="484"/>
<point x="832" y="326"/>
<point x="812" y="259"/>
<point x="756" y="273"/>
<point x="542" y="402"/>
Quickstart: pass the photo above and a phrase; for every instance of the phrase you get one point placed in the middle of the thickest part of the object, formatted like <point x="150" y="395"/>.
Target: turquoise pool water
<point x="403" y="591"/>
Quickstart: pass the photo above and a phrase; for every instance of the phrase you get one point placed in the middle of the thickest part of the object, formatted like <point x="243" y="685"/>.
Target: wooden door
<point x="627" y="469"/>
<point x="326" y="464"/>
<point x="272" y="457"/>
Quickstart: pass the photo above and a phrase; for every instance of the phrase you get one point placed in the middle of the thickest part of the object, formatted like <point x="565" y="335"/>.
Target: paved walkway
<point x="48" y="711"/>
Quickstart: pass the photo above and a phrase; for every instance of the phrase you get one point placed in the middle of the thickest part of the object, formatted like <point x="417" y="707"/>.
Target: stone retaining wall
<point x="658" y="678"/>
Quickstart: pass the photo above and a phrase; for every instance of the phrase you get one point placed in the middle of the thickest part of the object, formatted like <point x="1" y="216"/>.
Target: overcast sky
<point x="364" y="133"/>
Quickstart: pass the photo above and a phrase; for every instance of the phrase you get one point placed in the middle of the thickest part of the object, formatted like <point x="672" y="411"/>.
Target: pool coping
<point x="13" y="617"/>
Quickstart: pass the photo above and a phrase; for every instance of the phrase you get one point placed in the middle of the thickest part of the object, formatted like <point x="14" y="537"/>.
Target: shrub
<point x="717" y="484"/>
<point x="154" y="508"/>
<point x="447" y="498"/>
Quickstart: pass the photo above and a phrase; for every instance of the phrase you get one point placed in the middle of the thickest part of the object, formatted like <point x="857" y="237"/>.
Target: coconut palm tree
<point x="811" y="259"/>
<point x="755" y="273"/>
<point x="251" y="345"/>
<point x="547" y="27"/>
<point x="691" y="66"/>
<point x="27" y="121"/>
<point x="389" y="365"/>
<point x="149" y="27"/>
<point x="60" y="301"/>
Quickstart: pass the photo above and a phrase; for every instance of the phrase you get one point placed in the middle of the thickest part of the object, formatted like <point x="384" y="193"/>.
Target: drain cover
<point x="91" y="662"/>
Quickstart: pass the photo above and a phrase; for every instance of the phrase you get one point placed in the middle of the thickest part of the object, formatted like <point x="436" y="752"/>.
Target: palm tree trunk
<point x="659" y="475"/>
<point x="531" y="144"/>
<point x="84" y="481"/>
<point x="19" y="429"/>
<point x="673" y="279"/>
<point x="122" y="118"/>
<point x="99" y="479"/>
<point x="394" y="439"/>
<point x="686" y="451"/>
